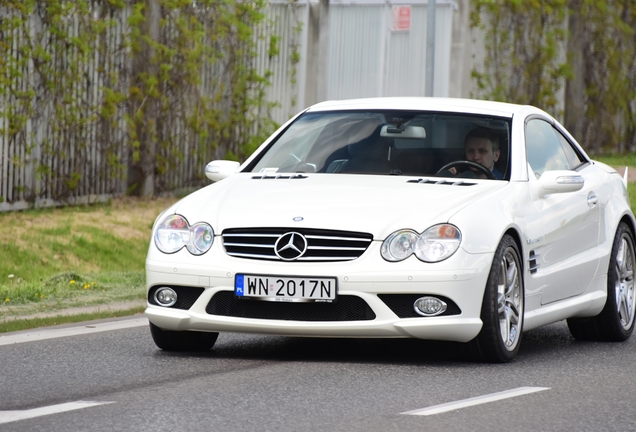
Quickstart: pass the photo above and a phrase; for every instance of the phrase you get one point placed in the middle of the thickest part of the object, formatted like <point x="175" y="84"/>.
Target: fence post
<point x="317" y="53"/>
<point x="141" y="174"/>
<point x="431" y="11"/>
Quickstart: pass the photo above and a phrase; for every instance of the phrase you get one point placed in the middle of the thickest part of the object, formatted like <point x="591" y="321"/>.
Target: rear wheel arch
<point x="615" y="322"/>
<point x="629" y="222"/>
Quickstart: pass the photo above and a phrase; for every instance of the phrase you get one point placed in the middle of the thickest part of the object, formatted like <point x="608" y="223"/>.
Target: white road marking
<point x="52" y="333"/>
<point x="451" y="406"/>
<point x="11" y="416"/>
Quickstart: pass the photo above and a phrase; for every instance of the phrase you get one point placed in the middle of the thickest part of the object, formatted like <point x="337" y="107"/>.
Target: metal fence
<point x="40" y="157"/>
<point x="91" y="157"/>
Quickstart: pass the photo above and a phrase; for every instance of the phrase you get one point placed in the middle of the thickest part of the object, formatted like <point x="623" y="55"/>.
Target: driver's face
<point x="480" y="150"/>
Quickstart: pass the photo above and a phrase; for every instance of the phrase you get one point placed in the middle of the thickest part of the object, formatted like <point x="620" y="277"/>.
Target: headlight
<point x="438" y="243"/>
<point x="435" y="244"/>
<point x="201" y="238"/>
<point x="174" y="232"/>
<point x="399" y="246"/>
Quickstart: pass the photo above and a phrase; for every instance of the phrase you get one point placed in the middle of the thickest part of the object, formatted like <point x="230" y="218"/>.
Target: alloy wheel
<point x="624" y="285"/>
<point x="510" y="299"/>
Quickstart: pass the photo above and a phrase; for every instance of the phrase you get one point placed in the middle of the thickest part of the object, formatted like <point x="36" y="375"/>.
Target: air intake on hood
<point x="442" y="182"/>
<point x="295" y="244"/>
<point x="279" y="176"/>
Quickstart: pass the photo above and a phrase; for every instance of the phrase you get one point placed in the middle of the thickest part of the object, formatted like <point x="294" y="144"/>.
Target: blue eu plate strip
<point x="239" y="285"/>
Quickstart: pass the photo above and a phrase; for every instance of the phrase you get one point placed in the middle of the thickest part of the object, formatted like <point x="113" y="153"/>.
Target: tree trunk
<point x="575" y="86"/>
<point x="141" y="172"/>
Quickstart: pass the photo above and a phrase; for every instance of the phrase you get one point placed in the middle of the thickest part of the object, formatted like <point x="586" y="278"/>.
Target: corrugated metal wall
<point x="357" y="44"/>
<point x="287" y="20"/>
<point x="366" y="58"/>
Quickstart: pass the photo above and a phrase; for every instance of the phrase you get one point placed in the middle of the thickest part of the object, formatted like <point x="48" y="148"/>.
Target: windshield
<point x="392" y="142"/>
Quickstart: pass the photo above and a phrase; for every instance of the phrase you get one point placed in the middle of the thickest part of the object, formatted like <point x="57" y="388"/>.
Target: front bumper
<point x="461" y="279"/>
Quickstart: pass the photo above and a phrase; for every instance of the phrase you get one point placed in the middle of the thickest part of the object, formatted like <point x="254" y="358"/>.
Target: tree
<point x="537" y="51"/>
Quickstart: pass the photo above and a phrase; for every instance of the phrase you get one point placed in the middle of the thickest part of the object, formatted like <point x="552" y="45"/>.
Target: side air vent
<point x="532" y="262"/>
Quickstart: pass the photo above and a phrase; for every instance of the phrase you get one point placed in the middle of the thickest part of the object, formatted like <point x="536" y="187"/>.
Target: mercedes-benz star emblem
<point x="290" y="246"/>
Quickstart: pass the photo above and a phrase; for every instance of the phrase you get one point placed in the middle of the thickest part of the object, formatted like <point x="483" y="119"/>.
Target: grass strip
<point x="31" y="323"/>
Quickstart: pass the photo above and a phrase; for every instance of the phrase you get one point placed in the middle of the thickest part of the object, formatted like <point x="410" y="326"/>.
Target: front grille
<point x="322" y="245"/>
<point x="186" y="296"/>
<point x="346" y="308"/>
<point x="402" y="305"/>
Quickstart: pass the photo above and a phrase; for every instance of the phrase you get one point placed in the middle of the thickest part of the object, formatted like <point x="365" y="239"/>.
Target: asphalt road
<point x="261" y="383"/>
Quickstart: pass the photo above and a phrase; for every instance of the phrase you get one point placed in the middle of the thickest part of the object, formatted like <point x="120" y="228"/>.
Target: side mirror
<point x="560" y="181"/>
<point x="220" y="169"/>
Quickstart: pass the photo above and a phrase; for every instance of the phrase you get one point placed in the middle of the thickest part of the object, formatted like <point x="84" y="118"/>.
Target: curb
<point x="112" y="307"/>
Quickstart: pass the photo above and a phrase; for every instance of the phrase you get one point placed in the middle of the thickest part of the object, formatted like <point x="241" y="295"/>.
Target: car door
<point x="563" y="230"/>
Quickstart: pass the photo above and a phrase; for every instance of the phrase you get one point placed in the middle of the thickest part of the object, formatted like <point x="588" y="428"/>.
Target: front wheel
<point x="615" y="323"/>
<point x="502" y="308"/>
<point x="182" y="340"/>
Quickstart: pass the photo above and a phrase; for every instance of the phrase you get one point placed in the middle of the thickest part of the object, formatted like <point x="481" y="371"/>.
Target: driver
<point x="482" y="146"/>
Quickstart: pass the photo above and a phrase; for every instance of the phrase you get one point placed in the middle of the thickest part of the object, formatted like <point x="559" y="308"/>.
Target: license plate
<point x="285" y="289"/>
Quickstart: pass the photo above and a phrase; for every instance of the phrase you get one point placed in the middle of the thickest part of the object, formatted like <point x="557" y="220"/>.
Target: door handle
<point x="592" y="199"/>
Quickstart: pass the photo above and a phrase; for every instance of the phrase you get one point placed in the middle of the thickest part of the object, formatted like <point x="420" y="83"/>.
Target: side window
<point x="544" y="149"/>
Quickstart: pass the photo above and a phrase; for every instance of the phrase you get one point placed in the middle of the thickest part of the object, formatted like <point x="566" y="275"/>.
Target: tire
<point x="502" y="309"/>
<point x="182" y="340"/>
<point x="615" y="323"/>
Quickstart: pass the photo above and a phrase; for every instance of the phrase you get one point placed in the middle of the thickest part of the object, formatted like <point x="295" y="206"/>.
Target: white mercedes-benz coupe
<point x="439" y="219"/>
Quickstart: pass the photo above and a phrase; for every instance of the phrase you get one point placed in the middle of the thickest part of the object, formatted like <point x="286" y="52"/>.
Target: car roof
<point x="456" y="105"/>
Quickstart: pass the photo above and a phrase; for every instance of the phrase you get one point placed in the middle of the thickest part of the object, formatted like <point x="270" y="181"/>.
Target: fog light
<point x="429" y="306"/>
<point x="165" y="297"/>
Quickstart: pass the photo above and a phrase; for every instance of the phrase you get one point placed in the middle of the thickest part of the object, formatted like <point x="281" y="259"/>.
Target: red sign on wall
<point x="401" y="18"/>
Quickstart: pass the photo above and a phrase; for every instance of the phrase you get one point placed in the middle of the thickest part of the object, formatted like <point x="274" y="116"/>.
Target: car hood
<point x="365" y="203"/>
